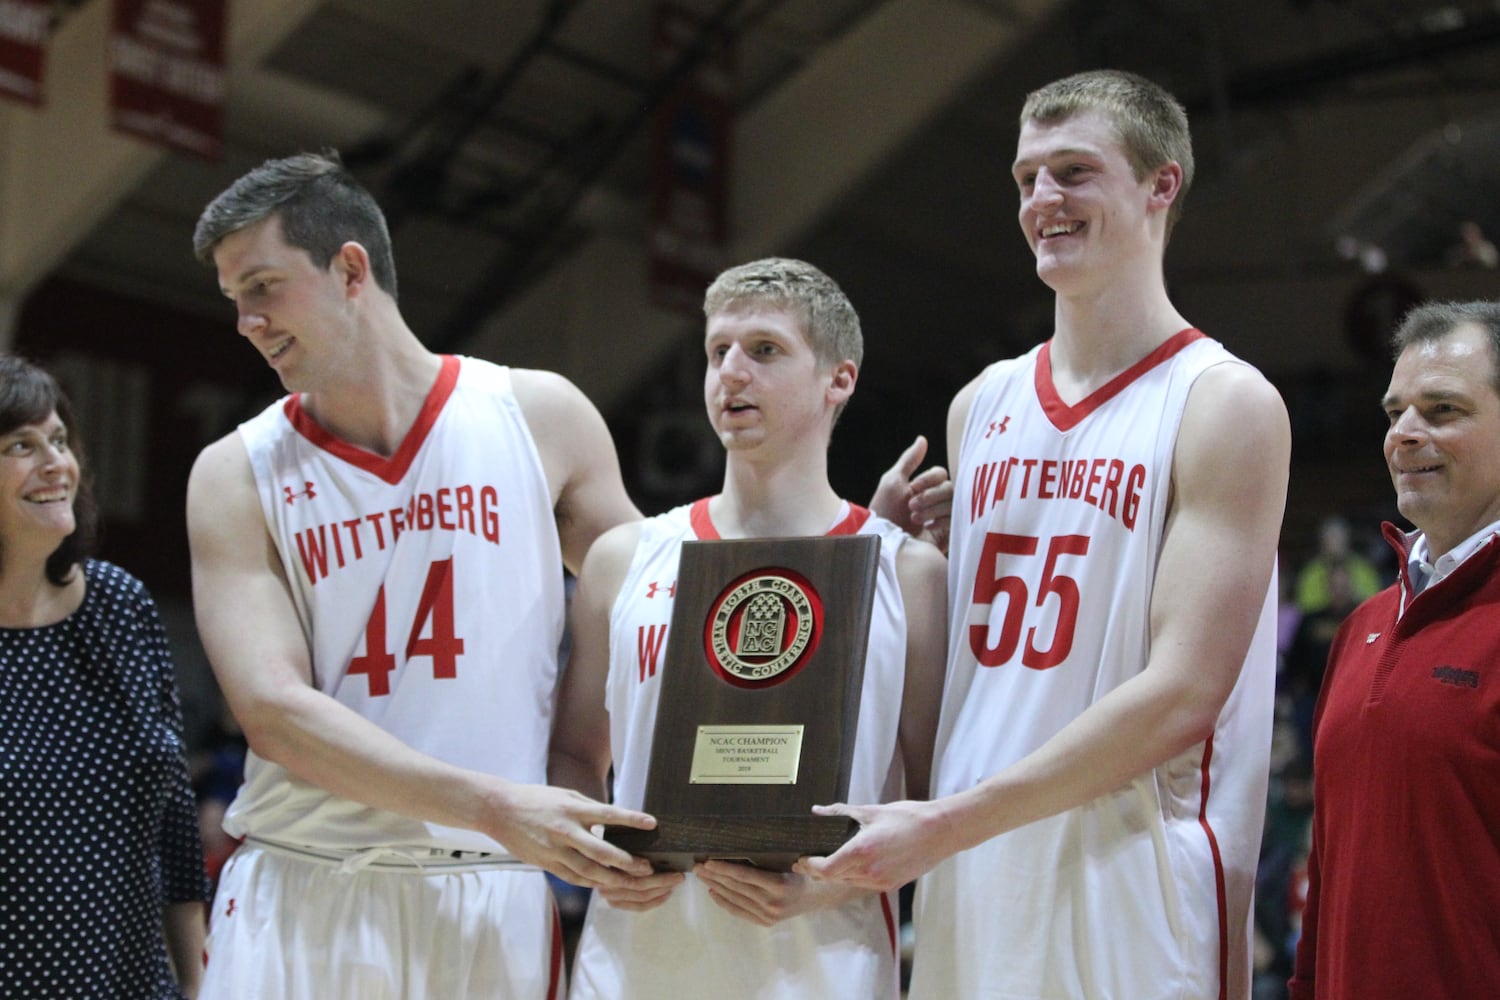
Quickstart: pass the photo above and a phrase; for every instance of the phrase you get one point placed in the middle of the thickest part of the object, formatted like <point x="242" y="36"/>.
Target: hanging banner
<point x="166" y="73"/>
<point x="688" y="225"/>
<point x="23" y="48"/>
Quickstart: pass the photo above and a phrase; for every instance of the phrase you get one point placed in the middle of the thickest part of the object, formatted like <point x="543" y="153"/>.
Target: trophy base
<point x="770" y="842"/>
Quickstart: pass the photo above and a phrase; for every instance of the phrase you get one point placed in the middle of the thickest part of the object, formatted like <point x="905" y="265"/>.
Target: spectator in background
<point x="1473" y="249"/>
<point x="1288" y="615"/>
<point x="1404" y="872"/>
<point x="1308" y="655"/>
<point x="1334" y="550"/>
<point x="1283" y="852"/>
<point x="217" y="767"/>
<point x="104" y="885"/>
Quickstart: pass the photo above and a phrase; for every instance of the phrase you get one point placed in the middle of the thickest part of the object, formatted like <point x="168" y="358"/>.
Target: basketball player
<point x="377" y="581"/>
<point x="1103" y="751"/>
<point x="783" y="350"/>
<point x="388" y="638"/>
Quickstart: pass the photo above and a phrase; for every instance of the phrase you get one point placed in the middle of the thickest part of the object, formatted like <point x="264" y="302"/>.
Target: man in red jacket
<point x="1404" y="875"/>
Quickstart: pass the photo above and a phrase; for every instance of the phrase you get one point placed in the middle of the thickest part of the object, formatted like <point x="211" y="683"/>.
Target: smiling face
<point x="763" y="381"/>
<point x="1443" y="443"/>
<point x="1084" y="212"/>
<point x="297" y="314"/>
<point x="39" y="476"/>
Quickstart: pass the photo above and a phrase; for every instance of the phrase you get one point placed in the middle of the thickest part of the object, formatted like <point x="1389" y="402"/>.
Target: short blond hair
<point x="828" y="318"/>
<point x="1152" y="125"/>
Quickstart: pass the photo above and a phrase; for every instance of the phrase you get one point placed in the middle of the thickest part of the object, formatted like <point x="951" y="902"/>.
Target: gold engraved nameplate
<point x="746" y="755"/>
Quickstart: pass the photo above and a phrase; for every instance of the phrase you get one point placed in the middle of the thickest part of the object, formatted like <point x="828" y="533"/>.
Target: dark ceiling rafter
<point x="1405" y="44"/>
<point x="1412" y="214"/>
<point x="1300" y="109"/>
<point x="423" y="157"/>
<point x="1412" y="211"/>
<point x="543" y="231"/>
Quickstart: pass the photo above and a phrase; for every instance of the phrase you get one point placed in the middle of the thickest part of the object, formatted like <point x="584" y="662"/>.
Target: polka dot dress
<point x="98" y="828"/>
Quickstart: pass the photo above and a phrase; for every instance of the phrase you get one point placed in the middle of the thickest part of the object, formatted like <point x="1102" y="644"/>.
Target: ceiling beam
<point x="809" y="142"/>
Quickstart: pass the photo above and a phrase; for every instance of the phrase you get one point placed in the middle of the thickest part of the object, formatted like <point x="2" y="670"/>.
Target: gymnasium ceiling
<point x="507" y="138"/>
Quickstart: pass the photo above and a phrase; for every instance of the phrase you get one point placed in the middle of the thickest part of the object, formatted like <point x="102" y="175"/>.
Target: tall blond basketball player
<point x="1104" y="743"/>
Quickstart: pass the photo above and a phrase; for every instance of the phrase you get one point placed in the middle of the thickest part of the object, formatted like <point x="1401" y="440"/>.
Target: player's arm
<point x="897" y="841"/>
<point x="260" y="657"/>
<point x="923" y="574"/>
<point x="1217" y="556"/>
<point x="579" y="755"/>
<point x="182" y="927"/>
<point x="958" y="415"/>
<point x="578" y="455"/>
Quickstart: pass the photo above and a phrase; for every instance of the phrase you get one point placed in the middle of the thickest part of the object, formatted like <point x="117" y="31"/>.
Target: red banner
<point x="23" y="48"/>
<point x="688" y="228"/>
<point x="166" y="73"/>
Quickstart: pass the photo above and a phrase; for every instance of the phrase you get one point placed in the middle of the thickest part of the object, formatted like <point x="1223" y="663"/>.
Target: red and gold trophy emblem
<point x="759" y="701"/>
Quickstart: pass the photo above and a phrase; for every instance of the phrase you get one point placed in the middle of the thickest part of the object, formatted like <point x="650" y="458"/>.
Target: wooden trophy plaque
<point x="759" y="701"/>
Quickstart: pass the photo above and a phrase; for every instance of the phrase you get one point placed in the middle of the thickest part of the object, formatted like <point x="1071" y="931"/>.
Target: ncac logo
<point x="763" y="627"/>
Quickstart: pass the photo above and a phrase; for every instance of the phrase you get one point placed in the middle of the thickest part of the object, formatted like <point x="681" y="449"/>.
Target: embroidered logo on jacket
<point x="1456" y="676"/>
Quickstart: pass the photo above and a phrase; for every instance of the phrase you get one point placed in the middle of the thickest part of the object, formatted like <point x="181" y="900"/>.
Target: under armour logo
<point x="997" y="427"/>
<point x="1371" y="637"/>
<point x="291" y="495"/>
<point x="229" y="910"/>
<point x="653" y="587"/>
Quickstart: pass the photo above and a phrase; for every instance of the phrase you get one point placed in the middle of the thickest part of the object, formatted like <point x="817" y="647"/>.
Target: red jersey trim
<point x="389" y="469"/>
<point x="1065" y="417"/>
<point x="890" y="923"/>
<point x="703" y="525"/>
<point x="1223" y="895"/>
<point x="851" y="524"/>
<point x="555" y="963"/>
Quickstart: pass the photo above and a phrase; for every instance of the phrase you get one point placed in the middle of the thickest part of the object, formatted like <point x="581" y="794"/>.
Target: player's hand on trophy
<point x="896" y="842"/>
<point x="767" y="898"/>
<point x="552" y="828"/>
<point x="922" y="504"/>
<point x="642" y="894"/>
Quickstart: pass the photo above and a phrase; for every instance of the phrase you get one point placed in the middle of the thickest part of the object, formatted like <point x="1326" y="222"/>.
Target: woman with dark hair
<point x="99" y="850"/>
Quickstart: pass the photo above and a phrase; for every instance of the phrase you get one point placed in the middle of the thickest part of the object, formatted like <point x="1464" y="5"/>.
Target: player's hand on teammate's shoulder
<point x="922" y="503"/>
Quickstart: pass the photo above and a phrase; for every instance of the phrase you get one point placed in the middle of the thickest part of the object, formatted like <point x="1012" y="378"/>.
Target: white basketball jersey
<point x="688" y="946"/>
<point x="1058" y="518"/>
<point x="429" y="585"/>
